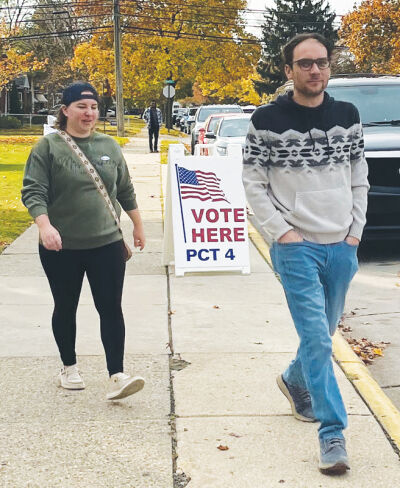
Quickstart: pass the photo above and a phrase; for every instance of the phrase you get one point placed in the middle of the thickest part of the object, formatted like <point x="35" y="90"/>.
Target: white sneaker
<point x="70" y="378"/>
<point x="123" y="385"/>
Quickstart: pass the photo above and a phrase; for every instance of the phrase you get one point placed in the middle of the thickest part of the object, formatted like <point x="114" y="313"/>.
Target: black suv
<point x="378" y="101"/>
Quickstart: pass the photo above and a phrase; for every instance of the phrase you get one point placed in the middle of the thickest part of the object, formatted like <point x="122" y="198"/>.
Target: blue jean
<point x="316" y="278"/>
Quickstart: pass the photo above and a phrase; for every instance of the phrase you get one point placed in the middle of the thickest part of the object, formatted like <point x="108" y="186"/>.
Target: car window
<point x="192" y="111"/>
<point x="206" y="111"/>
<point x="234" y="128"/>
<point x="374" y="102"/>
<point x="213" y="124"/>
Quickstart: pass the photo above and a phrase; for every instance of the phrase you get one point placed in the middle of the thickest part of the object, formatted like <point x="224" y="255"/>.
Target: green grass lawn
<point x="14" y="218"/>
<point x="164" y="150"/>
<point x="133" y="125"/>
<point x="172" y="132"/>
<point x="34" y="130"/>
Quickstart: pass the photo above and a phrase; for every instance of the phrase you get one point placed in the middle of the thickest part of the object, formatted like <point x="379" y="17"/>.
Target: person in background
<point x="153" y="117"/>
<point x="78" y="234"/>
<point x="305" y="176"/>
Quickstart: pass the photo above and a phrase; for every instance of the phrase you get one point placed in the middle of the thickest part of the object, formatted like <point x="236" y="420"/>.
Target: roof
<point x="364" y="80"/>
<point x="22" y="81"/>
<point x="237" y="116"/>
<point x="221" y="105"/>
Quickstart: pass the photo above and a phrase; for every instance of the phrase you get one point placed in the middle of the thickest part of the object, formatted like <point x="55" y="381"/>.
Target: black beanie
<point x="74" y="91"/>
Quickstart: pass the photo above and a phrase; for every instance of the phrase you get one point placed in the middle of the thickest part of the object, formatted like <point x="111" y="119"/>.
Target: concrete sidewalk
<point x="230" y="336"/>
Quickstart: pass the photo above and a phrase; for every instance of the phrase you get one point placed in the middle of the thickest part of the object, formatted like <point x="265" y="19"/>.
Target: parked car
<point x="42" y="111"/>
<point x="378" y="101"/>
<point x="189" y="120"/>
<point x="377" y="98"/>
<point x="175" y="110"/>
<point x="203" y="112"/>
<point x="231" y="129"/>
<point x="210" y="126"/>
<point x="111" y="112"/>
<point x="49" y="111"/>
<point x="248" y="109"/>
<point x="179" y="120"/>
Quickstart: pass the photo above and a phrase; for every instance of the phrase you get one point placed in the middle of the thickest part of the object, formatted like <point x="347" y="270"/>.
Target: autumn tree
<point x="52" y="32"/>
<point x="202" y="44"/>
<point x="372" y="34"/>
<point x="285" y="20"/>
<point x="14" y="12"/>
<point x="13" y="61"/>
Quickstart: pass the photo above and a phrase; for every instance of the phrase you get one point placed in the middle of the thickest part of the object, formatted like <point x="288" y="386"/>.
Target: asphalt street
<point x="373" y="310"/>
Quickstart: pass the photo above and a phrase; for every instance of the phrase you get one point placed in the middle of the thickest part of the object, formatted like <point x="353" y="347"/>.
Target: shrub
<point x="9" y="122"/>
<point x="39" y="119"/>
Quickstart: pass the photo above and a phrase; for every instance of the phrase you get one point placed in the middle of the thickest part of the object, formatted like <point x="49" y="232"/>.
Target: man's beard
<point x="309" y="93"/>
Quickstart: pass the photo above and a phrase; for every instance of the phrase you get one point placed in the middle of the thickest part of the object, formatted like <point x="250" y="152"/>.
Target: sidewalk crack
<point x="180" y="479"/>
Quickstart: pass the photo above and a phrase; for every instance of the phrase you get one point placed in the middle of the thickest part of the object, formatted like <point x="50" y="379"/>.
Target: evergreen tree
<point x="288" y="18"/>
<point x="15" y="104"/>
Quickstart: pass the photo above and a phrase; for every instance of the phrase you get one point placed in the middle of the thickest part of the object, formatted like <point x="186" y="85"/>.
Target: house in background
<point x="31" y="95"/>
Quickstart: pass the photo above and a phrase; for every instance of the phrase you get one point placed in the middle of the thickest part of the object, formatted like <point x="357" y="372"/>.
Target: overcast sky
<point x="341" y="7"/>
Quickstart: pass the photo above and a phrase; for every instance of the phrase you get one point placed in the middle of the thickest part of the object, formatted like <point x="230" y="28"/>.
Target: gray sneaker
<point x="333" y="459"/>
<point x="299" y="400"/>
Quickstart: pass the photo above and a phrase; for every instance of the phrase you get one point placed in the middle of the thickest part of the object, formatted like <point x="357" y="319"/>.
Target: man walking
<point x="305" y="176"/>
<point x="153" y="117"/>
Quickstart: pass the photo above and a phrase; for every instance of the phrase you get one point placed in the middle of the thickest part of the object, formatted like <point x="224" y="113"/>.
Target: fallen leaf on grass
<point x="223" y="448"/>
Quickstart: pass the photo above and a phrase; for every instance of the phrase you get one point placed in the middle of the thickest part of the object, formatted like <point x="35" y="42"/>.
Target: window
<point x="234" y="128"/>
<point x="206" y="111"/>
<point x="375" y="102"/>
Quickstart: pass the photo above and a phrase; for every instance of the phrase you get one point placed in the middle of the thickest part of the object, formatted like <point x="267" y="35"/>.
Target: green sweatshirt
<point x="55" y="183"/>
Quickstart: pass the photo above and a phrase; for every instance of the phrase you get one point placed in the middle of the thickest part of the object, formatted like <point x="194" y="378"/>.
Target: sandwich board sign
<point x="205" y="227"/>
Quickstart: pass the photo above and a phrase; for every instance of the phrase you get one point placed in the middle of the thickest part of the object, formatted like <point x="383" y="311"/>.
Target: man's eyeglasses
<point x="306" y="64"/>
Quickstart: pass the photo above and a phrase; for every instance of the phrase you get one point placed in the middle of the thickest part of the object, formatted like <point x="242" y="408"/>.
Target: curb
<point x="355" y="370"/>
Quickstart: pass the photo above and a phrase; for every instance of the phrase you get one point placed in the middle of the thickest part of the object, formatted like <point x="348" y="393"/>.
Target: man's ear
<point x="288" y="72"/>
<point x="64" y="108"/>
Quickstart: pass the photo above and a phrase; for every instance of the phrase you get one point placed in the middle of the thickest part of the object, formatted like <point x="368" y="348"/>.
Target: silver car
<point x="187" y="128"/>
<point x="231" y="130"/>
<point x="203" y="112"/>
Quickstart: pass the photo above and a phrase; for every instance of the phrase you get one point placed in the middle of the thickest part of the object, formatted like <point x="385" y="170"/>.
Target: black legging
<point x="105" y="270"/>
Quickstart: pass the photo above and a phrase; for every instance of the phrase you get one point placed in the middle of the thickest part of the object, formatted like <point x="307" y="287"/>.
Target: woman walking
<point x="76" y="181"/>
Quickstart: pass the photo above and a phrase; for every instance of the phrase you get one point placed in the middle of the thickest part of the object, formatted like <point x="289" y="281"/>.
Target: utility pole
<point x="119" y="112"/>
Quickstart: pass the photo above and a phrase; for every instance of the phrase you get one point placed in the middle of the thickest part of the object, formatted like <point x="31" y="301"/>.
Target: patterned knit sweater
<point x="304" y="169"/>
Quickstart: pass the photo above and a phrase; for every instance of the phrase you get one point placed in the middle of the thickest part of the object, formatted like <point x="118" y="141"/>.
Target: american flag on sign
<point x="200" y="184"/>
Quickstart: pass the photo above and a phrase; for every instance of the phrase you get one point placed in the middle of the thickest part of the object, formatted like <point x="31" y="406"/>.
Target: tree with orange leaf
<point x="203" y="45"/>
<point x="14" y="63"/>
<point x="372" y="34"/>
